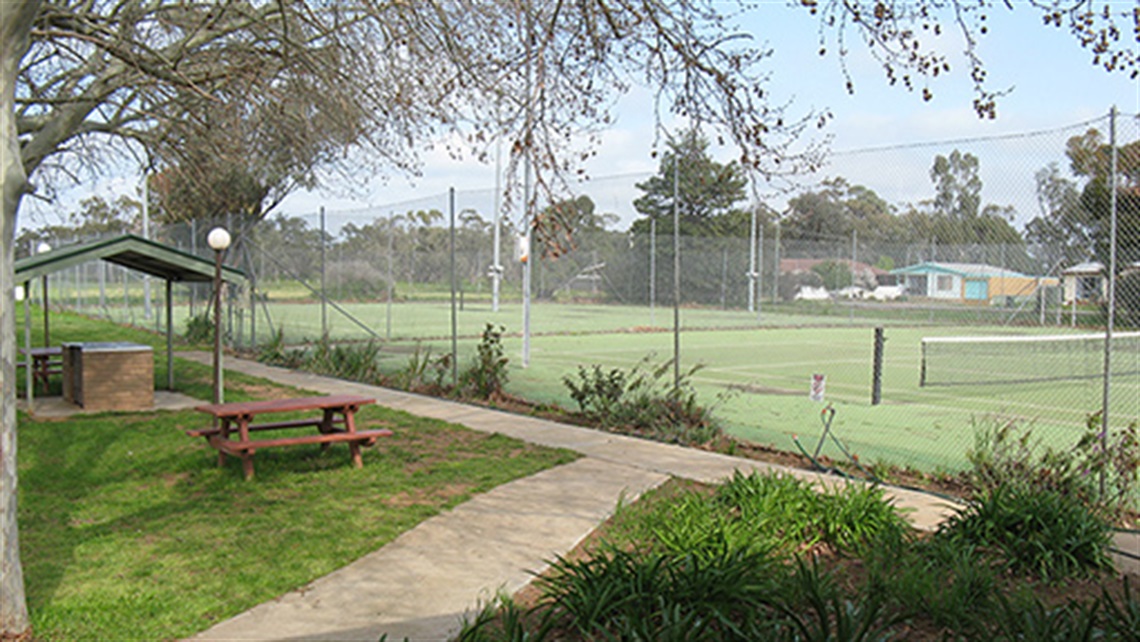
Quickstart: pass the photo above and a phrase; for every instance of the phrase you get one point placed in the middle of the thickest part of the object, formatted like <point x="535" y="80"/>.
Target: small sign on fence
<point x="818" y="382"/>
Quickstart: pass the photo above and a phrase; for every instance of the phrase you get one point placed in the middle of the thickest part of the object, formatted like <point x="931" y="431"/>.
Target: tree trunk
<point x="15" y="26"/>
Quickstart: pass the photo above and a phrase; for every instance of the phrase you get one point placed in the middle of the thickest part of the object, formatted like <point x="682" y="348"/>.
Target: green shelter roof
<point x="129" y="251"/>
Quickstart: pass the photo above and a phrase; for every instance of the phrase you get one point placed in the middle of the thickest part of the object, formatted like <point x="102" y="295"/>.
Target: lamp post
<point x="43" y="248"/>
<point x="218" y="240"/>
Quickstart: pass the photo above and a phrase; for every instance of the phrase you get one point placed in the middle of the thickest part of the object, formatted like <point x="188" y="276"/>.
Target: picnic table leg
<point x="246" y="455"/>
<point x="41" y="374"/>
<point x="225" y="435"/>
<point x="326" y="425"/>
<point x="353" y="446"/>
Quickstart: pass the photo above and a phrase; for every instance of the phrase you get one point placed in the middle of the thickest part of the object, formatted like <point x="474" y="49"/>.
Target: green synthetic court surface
<point x="759" y="375"/>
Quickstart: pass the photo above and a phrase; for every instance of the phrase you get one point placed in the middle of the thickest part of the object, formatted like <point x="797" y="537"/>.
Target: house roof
<point x="129" y="251"/>
<point x="805" y="265"/>
<point x="964" y="270"/>
<point x="1088" y="267"/>
<point x="1096" y="268"/>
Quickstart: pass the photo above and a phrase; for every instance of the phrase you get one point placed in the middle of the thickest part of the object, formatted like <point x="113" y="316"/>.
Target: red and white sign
<point x="817" y="387"/>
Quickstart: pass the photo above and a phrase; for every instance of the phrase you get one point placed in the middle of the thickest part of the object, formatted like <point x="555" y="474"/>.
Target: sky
<point x="1051" y="81"/>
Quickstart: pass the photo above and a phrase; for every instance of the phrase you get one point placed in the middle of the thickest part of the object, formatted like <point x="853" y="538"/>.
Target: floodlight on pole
<point x="218" y="239"/>
<point x="44" y="248"/>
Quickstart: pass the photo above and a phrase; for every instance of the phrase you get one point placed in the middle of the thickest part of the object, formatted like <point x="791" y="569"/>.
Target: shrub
<point x="644" y="402"/>
<point x="1023" y="618"/>
<point x="1039" y="531"/>
<point x="487" y="374"/>
<point x="1112" y="459"/>
<point x="632" y="596"/>
<point x="354" y="361"/>
<point x="1007" y="455"/>
<point x="848" y="519"/>
<point x="199" y="328"/>
<point x="949" y="583"/>
<point x="502" y="620"/>
<point x="273" y="351"/>
<point x="423" y="373"/>
<point x="857" y="518"/>
<point x="833" y="274"/>
<point x="817" y="610"/>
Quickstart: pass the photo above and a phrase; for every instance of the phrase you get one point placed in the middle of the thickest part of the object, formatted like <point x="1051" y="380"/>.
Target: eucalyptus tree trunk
<point x="15" y="27"/>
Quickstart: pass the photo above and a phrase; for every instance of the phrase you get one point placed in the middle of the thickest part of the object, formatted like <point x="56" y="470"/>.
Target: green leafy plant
<point x="695" y="526"/>
<point x="947" y="582"/>
<point x="423" y="373"/>
<point x="1111" y="460"/>
<point x="622" y="594"/>
<point x="503" y="620"/>
<point x="1006" y="454"/>
<point x="858" y="517"/>
<point x="1121" y="618"/>
<point x="1028" y="618"/>
<point x="273" y="351"/>
<point x="644" y="402"/>
<point x="487" y="374"/>
<point x="1044" y="532"/>
<point x="848" y="519"/>
<point x="199" y="328"/>
<point x="353" y="361"/>
<point x="818" y="612"/>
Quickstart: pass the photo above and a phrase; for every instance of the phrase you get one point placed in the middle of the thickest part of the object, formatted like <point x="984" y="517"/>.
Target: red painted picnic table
<point x="336" y="425"/>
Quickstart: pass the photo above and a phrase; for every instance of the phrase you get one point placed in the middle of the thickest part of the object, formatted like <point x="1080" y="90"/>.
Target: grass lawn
<point x="129" y="530"/>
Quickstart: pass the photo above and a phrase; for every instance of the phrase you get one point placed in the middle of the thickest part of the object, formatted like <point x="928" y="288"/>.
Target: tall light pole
<point x="219" y="240"/>
<point x="43" y="248"/>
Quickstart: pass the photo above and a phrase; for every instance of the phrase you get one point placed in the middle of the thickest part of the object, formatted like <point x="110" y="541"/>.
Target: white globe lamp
<point x="218" y="239"/>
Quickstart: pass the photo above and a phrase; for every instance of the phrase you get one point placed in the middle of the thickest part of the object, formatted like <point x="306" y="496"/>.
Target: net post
<point x="877" y="368"/>
<point x="922" y="367"/>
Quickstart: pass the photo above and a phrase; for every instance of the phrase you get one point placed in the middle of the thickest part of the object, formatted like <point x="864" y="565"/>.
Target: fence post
<point x="759" y="272"/>
<point x="454" y="326"/>
<point x="324" y="292"/>
<point x="391" y="283"/>
<point x="776" y="267"/>
<point x="1111" y="295"/>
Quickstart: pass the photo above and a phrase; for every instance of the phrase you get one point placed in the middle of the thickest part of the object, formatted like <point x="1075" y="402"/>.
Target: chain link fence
<point x="992" y="238"/>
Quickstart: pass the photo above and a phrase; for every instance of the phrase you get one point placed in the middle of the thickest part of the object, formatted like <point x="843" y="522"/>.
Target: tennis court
<point x="758" y="373"/>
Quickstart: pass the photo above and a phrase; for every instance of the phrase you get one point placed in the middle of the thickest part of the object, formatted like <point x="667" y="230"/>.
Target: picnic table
<point x="44" y="362"/>
<point x="335" y="425"/>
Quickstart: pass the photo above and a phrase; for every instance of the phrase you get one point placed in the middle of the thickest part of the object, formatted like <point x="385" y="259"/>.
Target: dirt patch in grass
<point x="432" y="496"/>
<point x="261" y="392"/>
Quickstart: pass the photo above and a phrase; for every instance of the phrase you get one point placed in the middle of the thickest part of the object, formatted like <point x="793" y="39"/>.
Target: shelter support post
<point x="29" y="388"/>
<point x="169" y="337"/>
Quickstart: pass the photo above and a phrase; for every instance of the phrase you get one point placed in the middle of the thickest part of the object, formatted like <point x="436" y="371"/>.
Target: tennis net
<point x="1023" y="359"/>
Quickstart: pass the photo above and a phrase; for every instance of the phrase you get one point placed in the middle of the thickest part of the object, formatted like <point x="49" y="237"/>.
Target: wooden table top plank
<point x="47" y="351"/>
<point x="250" y="408"/>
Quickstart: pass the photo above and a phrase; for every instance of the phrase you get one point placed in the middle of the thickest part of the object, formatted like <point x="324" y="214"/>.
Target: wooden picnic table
<point x="45" y="362"/>
<point x="336" y="425"/>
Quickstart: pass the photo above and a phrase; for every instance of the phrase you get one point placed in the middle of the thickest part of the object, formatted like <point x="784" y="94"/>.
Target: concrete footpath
<point x="421" y="585"/>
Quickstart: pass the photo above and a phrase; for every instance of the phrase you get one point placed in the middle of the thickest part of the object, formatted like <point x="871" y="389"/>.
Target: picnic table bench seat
<point x="335" y="425"/>
<point x="44" y="362"/>
<point x="363" y="437"/>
